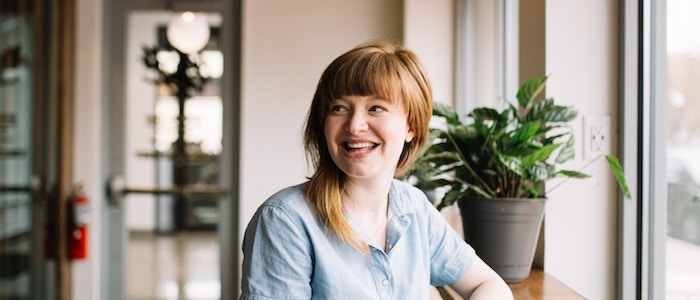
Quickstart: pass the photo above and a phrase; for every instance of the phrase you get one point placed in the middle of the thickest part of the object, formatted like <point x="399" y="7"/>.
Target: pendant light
<point x="188" y="33"/>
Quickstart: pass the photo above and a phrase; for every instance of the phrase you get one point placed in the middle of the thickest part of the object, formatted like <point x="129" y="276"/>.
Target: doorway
<point x="172" y="176"/>
<point x="173" y="140"/>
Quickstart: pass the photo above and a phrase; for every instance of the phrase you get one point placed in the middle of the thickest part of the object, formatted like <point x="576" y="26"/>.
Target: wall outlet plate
<point x="596" y="136"/>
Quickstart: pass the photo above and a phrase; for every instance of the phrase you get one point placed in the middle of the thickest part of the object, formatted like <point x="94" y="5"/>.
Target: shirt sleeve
<point x="277" y="256"/>
<point x="451" y="256"/>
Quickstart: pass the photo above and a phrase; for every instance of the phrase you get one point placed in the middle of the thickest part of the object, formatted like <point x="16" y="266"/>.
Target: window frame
<point x="642" y="221"/>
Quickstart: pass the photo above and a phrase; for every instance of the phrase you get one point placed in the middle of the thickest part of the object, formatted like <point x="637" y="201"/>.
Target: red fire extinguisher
<point x="79" y="215"/>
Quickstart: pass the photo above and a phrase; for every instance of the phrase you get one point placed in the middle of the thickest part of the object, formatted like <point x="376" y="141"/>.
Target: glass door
<point x="32" y="258"/>
<point x="16" y="202"/>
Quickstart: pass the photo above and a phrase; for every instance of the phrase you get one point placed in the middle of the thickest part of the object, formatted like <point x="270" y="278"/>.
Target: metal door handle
<point x="116" y="189"/>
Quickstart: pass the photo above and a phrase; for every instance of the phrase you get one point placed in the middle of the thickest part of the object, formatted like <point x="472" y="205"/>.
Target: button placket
<point x="382" y="273"/>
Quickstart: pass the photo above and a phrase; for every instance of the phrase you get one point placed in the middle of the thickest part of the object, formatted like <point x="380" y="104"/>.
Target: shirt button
<point x="385" y="282"/>
<point x="389" y="246"/>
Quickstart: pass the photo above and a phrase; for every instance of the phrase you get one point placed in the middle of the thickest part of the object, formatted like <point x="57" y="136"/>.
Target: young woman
<point x="353" y="231"/>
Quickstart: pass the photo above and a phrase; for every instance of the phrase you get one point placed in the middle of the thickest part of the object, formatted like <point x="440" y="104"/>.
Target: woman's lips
<point x="359" y="147"/>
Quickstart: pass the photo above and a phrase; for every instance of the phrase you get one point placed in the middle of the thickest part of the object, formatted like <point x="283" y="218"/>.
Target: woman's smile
<point x="359" y="147"/>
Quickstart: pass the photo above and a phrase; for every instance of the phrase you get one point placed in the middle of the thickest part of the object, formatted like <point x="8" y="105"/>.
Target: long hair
<point x="380" y="69"/>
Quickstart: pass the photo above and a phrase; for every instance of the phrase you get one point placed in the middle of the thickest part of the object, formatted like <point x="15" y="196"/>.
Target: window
<point x="682" y="150"/>
<point x="660" y="237"/>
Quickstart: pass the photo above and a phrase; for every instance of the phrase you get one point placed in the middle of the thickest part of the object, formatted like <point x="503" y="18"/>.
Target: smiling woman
<point x="353" y="231"/>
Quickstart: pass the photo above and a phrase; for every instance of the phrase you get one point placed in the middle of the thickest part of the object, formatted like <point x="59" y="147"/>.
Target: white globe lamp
<point x="188" y="33"/>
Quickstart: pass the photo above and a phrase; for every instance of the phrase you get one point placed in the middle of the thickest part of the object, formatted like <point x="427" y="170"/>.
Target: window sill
<point x="539" y="285"/>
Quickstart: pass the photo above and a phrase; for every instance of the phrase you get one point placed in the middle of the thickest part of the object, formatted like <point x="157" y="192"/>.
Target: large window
<point x="661" y="141"/>
<point x="683" y="150"/>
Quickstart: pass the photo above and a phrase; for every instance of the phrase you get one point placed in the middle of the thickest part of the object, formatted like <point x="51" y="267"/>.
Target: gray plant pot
<point x="504" y="232"/>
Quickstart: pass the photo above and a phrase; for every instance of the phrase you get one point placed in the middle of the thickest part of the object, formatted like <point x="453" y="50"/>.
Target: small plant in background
<point x="506" y="154"/>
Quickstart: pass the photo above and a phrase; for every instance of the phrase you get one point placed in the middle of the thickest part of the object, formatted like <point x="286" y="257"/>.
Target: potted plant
<point x="496" y="166"/>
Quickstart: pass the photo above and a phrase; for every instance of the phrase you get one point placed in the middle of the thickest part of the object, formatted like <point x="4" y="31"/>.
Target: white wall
<point x="429" y="31"/>
<point x="580" y="227"/>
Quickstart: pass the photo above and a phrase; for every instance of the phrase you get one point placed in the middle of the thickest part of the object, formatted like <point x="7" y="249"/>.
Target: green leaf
<point x="440" y="159"/>
<point x="463" y="132"/>
<point x="450" y="197"/>
<point x="540" y="154"/>
<point x="433" y="184"/>
<point x="567" y="151"/>
<point x="529" y="91"/>
<point x="619" y="175"/>
<point x="514" y="164"/>
<point x="559" y="114"/>
<point x="445" y="111"/>
<point x="525" y="132"/>
<point x="485" y="113"/>
<point x="540" y="109"/>
<point x="573" y="174"/>
<point x="539" y="172"/>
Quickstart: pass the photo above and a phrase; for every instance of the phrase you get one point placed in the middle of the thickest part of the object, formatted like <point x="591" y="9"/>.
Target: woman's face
<point x="366" y="135"/>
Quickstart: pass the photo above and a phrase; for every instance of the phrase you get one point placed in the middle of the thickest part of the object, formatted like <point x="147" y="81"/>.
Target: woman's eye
<point x="338" y="108"/>
<point x="377" y="109"/>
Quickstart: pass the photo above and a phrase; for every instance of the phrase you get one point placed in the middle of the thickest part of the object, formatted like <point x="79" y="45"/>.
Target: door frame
<point x="113" y="228"/>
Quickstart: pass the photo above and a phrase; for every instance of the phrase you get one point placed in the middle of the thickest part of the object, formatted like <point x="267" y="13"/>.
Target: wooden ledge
<point x="538" y="286"/>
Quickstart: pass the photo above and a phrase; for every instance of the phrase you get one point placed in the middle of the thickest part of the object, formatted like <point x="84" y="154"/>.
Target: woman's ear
<point x="409" y="136"/>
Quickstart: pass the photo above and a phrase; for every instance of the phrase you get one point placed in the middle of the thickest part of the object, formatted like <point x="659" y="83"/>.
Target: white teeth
<point x="360" y="145"/>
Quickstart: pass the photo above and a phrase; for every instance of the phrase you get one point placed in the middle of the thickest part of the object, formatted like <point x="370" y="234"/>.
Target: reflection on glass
<point x="683" y="163"/>
<point x="202" y="127"/>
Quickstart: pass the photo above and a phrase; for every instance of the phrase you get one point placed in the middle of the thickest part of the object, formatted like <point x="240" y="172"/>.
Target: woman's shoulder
<point x="291" y="200"/>
<point x="291" y="192"/>
<point x="290" y="196"/>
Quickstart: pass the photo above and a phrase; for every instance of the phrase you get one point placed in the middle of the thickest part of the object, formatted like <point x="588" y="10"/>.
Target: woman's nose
<point x="356" y="123"/>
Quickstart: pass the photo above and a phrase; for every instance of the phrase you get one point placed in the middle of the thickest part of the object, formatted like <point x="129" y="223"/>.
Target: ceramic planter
<point x="504" y="232"/>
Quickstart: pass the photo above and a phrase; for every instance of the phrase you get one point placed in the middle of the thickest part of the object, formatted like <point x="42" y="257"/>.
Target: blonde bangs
<point x="370" y="75"/>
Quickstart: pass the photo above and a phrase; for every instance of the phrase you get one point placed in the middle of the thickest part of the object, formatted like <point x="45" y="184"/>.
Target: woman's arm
<point x="482" y="282"/>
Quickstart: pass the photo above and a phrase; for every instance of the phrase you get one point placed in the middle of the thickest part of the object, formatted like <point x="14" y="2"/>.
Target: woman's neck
<point x="369" y="198"/>
<point x="367" y="206"/>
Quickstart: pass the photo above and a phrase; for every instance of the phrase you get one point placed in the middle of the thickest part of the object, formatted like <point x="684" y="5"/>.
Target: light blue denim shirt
<point x="290" y="254"/>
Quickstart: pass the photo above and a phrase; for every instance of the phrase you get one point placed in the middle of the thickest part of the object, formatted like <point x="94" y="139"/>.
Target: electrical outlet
<point x="596" y="136"/>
